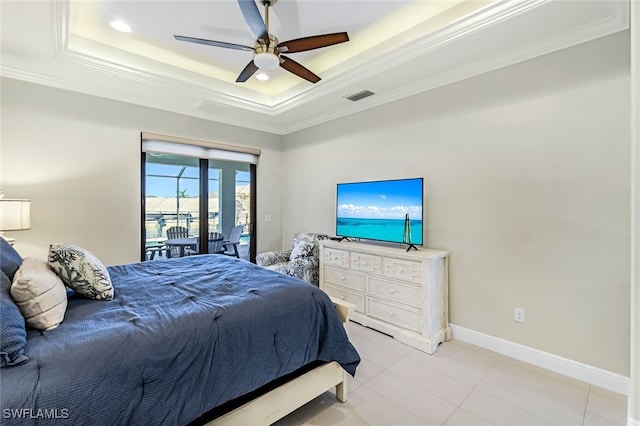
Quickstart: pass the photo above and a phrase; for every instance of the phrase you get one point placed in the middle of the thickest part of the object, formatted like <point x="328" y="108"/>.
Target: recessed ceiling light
<point x="121" y="26"/>
<point x="262" y="76"/>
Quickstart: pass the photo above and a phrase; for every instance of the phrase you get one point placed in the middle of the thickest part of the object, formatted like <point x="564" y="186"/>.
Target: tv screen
<point x="377" y="210"/>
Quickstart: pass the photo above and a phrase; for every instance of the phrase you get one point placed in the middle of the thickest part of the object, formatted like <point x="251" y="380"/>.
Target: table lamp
<point x="14" y="216"/>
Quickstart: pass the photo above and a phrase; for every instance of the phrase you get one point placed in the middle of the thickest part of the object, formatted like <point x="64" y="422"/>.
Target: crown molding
<point x="617" y="20"/>
<point x="206" y="100"/>
<point x="65" y="52"/>
<point x="89" y="89"/>
<point x="490" y="15"/>
<point x="487" y="16"/>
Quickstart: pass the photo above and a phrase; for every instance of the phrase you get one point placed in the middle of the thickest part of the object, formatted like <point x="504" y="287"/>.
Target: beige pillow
<point x="40" y="294"/>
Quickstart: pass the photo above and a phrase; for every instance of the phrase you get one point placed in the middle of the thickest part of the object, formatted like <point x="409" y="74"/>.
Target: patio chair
<point x="231" y="245"/>
<point x="180" y="232"/>
<point x="216" y="241"/>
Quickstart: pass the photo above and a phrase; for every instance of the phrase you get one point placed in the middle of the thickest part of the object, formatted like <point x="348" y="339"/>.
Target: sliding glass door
<point x="185" y="199"/>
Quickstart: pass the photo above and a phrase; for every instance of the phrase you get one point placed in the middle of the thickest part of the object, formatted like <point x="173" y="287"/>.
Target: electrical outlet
<point x="518" y="314"/>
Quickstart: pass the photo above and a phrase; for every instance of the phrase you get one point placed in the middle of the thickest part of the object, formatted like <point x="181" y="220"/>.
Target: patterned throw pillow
<point x="81" y="270"/>
<point x="302" y="249"/>
<point x="40" y="294"/>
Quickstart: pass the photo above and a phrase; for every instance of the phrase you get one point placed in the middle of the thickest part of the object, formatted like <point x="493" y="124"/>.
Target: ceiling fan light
<point x="262" y="76"/>
<point x="266" y="61"/>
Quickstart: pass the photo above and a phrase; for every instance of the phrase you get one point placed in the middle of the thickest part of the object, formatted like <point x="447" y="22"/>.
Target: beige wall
<point x="527" y="183"/>
<point x="77" y="157"/>
<point x="526" y="175"/>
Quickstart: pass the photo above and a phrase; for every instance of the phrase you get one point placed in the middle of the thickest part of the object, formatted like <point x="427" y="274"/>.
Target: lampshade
<point x="15" y="215"/>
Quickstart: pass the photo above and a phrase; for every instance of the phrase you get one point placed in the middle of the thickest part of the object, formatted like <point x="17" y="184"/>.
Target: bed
<point x="190" y="340"/>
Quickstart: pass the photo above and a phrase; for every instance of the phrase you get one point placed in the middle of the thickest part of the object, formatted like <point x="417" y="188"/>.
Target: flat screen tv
<point x="377" y="210"/>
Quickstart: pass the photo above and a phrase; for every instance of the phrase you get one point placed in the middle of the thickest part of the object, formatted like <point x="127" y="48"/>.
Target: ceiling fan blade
<point x="313" y="42"/>
<point x="254" y="19"/>
<point x="213" y="43"/>
<point x="297" y="69"/>
<point x="247" y="72"/>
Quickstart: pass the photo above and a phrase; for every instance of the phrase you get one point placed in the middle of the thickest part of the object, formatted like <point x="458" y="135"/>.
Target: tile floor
<point x="460" y="384"/>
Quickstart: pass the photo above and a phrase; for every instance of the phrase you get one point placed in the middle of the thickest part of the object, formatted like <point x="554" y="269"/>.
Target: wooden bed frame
<point x="277" y="403"/>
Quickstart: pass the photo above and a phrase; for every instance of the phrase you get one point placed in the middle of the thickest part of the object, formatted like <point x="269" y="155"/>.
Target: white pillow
<point x="81" y="271"/>
<point x="40" y="294"/>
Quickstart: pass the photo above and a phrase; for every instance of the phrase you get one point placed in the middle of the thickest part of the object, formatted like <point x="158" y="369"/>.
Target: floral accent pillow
<point x="81" y="270"/>
<point x="302" y="249"/>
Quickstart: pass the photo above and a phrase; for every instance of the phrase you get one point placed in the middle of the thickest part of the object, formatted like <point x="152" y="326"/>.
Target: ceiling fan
<point x="267" y="51"/>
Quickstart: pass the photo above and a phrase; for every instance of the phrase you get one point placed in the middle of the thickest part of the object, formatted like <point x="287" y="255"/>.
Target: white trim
<point x="632" y="422"/>
<point x="574" y="369"/>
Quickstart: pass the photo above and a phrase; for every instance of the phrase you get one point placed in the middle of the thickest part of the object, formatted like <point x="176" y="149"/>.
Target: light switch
<point x="267" y="218"/>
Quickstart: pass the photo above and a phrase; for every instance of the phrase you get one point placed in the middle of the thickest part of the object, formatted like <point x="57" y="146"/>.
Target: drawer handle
<point x="391" y="313"/>
<point x="392" y="291"/>
<point x="342" y="297"/>
<point x="342" y="278"/>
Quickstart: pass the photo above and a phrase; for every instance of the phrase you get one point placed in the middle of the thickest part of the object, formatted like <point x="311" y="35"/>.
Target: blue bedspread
<point x="181" y="337"/>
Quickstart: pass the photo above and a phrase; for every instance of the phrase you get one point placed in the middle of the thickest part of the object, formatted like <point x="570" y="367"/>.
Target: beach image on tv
<point x="377" y="210"/>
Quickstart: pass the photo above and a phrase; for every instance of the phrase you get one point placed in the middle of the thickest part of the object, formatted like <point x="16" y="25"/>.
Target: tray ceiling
<point x="397" y="48"/>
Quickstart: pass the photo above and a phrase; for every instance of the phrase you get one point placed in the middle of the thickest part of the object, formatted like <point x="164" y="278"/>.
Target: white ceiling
<point x="397" y="48"/>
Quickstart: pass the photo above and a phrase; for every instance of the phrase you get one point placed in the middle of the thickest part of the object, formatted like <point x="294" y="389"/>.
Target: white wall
<point x="527" y="184"/>
<point x="77" y="157"/>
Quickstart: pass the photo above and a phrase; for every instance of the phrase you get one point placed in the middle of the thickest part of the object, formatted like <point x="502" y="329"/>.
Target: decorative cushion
<point x="13" y="333"/>
<point x="302" y="249"/>
<point x="10" y="260"/>
<point x="40" y="294"/>
<point x="81" y="270"/>
<point x="272" y="257"/>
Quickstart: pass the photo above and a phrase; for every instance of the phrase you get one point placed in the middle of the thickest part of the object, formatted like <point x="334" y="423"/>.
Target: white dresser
<point x="403" y="294"/>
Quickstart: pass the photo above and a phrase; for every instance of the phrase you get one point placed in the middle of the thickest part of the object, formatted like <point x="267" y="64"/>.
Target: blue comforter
<point x="181" y="337"/>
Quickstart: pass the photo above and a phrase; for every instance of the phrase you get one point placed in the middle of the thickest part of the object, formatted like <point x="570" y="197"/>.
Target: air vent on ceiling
<point x="360" y="95"/>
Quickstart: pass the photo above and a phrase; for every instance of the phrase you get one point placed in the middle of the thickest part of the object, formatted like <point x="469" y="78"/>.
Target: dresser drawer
<point x="401" y="293"/>
<point x="402" y="270"/>
<point x="336" y="257"/>
<point x="366" y="263"/>
<point x="342" y="278"/>
<point x="356" y="299"/>
<point x="402" y="317"/>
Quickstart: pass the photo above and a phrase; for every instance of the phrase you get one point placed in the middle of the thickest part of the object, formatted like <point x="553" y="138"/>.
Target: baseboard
<point x="574" y="369"/>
